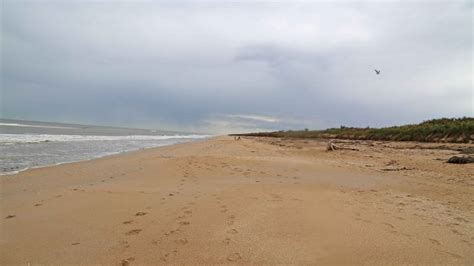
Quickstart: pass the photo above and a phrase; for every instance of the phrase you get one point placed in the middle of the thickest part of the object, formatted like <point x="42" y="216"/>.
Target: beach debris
<point x="461" y="159"/>
<point x="10" y="216"/>
<point x="396" y="169"/>
<point x="466" y="150"/>
<point x="392" y="162"/>
<point x="140" y="214"/>
<point x="332" y="147"/>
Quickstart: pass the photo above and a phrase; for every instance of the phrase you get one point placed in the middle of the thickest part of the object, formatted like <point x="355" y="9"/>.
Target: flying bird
<point x="377" y="71"/>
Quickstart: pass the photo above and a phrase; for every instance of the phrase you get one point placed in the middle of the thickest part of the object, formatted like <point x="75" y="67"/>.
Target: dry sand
<point x="257" y="200"/>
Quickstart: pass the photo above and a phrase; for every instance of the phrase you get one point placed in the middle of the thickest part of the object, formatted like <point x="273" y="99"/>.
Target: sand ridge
<point x="252" y="201"/>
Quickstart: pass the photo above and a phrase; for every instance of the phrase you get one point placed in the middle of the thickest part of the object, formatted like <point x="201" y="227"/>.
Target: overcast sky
<point x="236" y="66"/>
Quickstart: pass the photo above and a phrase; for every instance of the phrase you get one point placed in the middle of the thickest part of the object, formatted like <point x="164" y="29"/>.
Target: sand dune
<point x="252" y="201"/>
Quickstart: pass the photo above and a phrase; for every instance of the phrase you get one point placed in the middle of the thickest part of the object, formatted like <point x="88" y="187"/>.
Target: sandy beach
<point x="252" y="201"/>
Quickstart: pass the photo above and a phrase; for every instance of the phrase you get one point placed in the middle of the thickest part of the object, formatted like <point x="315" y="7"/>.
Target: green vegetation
<point x="460" y="130"/>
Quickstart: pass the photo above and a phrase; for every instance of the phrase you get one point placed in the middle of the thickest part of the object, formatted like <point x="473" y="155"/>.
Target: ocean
<point x="30" y="144"/>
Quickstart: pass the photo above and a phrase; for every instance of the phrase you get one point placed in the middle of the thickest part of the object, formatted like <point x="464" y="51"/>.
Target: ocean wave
<point x="9" y="139"/>
<point x="13" y="170"/>
<point x="40" y="126"/>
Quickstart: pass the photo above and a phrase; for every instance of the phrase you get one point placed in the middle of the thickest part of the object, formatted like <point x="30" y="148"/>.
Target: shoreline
<point x="255" y="200"/>
<point x="13" y="173"/>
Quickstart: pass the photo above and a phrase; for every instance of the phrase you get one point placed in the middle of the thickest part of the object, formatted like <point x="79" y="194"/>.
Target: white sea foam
<point x="26" y="125"/>
<point x="25" y="146"/>
<point x="19" y="152"/>
<point x="18" y="170"/>
<point x="8" y="139"/>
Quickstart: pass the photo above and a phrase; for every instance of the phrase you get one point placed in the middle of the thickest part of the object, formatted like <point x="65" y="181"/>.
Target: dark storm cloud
<point x="220" y="67"/>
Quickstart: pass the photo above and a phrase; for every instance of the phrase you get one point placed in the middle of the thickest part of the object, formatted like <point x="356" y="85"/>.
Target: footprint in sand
<point x="389" y="225"/>
<point x="124" y="244"/>
<point x="171" y="232"/>
<point x="451" y="254"/>
<point x="133" y="232"/>
<point x="234" y="257"/>
<point x="230" y="219"/>
<point x="167" y="255"/>
<point x="461" y="219"/>
<point x="184" y="223"/>
<point x="38" y="204"/>
<point x="128" y="222"/>
<point x="127" y="261"/>
<point x="140" y="214"/>
<point x="276" y="197"/>
<point x="434" y="241"/>
<point x="233" y="231"/>
<point x="362" y="220"/>
<point x="183" y="241"/>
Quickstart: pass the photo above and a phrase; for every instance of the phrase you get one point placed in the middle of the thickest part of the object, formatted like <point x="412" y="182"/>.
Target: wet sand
<point x="252" y="201"/>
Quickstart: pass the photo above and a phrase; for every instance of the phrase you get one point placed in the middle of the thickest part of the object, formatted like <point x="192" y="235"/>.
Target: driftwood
<point x="332" y="147"/>
<point x="461" y="160"/>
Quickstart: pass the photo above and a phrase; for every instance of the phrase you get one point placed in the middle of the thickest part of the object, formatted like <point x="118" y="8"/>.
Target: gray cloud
<point x="212" y="66"/>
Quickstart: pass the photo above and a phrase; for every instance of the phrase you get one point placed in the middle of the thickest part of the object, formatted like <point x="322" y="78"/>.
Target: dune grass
<point x="459" y="130"/>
